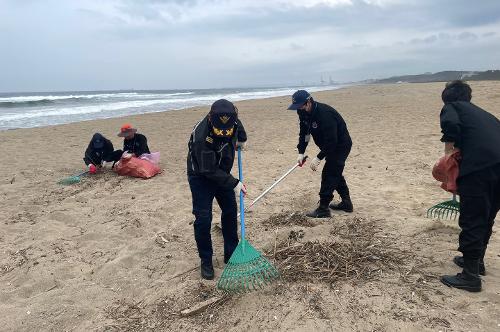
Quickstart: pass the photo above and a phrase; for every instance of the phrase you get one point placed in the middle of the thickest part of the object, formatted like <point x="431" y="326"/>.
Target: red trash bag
<point x="136" y="167"/>
<point x="446" y="171"/>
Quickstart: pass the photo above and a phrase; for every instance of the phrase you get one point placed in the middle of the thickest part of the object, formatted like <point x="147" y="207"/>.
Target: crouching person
<point x="100" y="150"/>
<point x="210" y="159"/>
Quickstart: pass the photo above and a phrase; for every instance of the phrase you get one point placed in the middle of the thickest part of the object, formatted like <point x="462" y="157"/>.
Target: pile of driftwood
<point x="290" y="219"/>
<point x="357" y="250"/>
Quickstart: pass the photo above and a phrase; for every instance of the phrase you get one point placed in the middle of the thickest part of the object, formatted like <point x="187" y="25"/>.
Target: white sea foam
<point x="23" y="99"/>
<point x="80" y="107"/>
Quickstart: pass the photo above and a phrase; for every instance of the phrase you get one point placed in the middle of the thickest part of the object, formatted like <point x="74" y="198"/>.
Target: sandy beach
<point x="118" y="254"/>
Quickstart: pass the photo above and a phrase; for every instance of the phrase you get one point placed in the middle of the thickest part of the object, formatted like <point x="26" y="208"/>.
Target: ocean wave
<point x="32" y="101"/>
<point x="27" y="103"/>
<point x="48" y="110"/>
<point x="79" y="110"/>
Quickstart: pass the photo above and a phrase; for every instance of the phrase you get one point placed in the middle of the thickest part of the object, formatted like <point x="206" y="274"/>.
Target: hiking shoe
<point x="207" y="271"/>
<point x="342" y="206"/>
<point x="463" y="281"/>
<point x="459" y="261"/>
<point x="320" y="212"/>
<point x="468" y="279"/>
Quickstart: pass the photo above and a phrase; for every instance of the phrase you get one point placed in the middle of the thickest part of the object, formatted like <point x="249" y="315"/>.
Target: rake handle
<point x="83" y="173"/>
<point x="242" y="204"/>
<point x="275" y="183"/>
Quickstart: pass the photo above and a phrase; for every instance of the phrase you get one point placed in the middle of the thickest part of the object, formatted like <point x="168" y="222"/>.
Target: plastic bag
<point x="153" y="157"/>
<point x="446" y="171"/>
<point x="136" y="167"/>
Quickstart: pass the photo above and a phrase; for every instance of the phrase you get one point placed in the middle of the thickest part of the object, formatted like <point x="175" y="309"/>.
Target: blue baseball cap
<point x="223" y="117"/>
<point x="299" y="98"/>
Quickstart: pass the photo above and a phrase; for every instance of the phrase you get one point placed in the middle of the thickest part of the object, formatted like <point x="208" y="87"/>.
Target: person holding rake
<point x="210" y="159"/>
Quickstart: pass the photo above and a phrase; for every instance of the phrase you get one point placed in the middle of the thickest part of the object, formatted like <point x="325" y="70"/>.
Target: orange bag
<point x="446" y="171"/>
<point x="136" y="167"/>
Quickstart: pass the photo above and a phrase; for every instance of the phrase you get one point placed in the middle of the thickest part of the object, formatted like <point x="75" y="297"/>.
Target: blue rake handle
<point x="242" y="204"/>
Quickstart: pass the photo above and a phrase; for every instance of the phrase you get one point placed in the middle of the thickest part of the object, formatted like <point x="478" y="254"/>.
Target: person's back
<point x="475" y="132"/>
<point x="325" y="112"/>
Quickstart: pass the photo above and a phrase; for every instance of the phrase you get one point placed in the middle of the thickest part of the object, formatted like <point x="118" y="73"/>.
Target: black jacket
<point x="213" y="157"/>
<point x="475" y="132"/>
<point x="327" y="127"/>
<point x="136" y="145"/>
<point x="97" y="156"/>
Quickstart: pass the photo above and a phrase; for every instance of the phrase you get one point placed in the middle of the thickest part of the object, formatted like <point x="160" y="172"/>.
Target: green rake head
<point x="246" y="270"/>
<point x="72" y="179"/>
<point x="445" y="210"/>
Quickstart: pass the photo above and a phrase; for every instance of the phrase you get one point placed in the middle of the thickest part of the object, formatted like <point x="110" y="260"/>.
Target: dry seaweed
<point x="290" y="219"/>
<point x="357" y="250"/>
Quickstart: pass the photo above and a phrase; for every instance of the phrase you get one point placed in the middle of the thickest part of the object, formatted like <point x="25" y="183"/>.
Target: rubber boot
<point x="322" y="211"/>
<point x="468" y="279"/>
<point x="459" y="261"/>
<point x="207" y="271"/>
<point x="344" y="205"/>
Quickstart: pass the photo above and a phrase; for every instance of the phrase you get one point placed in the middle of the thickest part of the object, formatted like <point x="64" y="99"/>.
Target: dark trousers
<point x="479" y="205"/>
<point x="204" y="191"/>
<point x="332" y="178"/>
<point x="114" y="157"/>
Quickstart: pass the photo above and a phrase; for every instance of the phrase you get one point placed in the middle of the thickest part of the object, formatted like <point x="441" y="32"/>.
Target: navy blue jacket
<point x="136" y="145"/>
<point x="97" y="156"/>
<point x="475" y="132"/>
<point x="328" y="129"/>
<point x="213" y="157"/>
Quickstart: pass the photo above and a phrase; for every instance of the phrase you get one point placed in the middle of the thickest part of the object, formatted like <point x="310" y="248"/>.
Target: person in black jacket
<point x="210" y="159"/>
<point x="329" y="131"/>
<point x="99" y="150"/>
<point x="133" y="143"/>
<point x="476" y="134"/>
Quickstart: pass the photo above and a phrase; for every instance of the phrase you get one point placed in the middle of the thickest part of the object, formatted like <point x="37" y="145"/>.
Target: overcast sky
<point x="167" y="44"/>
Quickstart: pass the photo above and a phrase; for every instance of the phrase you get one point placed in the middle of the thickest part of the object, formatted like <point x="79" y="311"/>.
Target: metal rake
<point x="445" y="210"/>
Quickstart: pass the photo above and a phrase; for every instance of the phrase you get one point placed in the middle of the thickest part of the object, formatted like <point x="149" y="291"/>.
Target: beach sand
<point x="115" y="253"/>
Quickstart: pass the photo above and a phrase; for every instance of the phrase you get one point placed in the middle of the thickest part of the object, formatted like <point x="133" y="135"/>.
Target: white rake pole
<point x="273" y="185"/>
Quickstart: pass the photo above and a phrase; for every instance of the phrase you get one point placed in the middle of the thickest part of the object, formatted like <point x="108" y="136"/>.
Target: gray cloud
<point x="426" y="40"/>
<point x="53" y="45"/>
<point x="359" y="16"/>
<point x="467" y="36"/>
